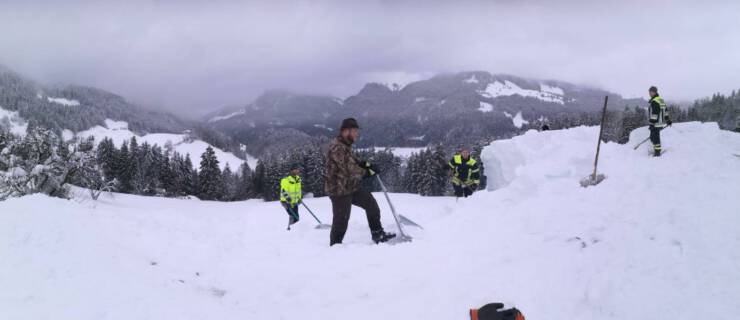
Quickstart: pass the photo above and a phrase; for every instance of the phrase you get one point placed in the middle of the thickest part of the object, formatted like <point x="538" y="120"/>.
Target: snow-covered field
<point x="118" y="131"/>
<point x="657" y="239"/>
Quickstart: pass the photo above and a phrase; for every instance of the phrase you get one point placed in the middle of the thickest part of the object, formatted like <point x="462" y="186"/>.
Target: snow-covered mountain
<point x="460" y="108"/>
<point x="656" y="240"/>
<point x="75" y="111"/>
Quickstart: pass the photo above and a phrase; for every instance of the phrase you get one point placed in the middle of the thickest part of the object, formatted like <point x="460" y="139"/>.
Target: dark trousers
<point x="655" y="139"/>
<point x="293" y="216"/>
<point x="341" y="207"/>
<point x="461" y="191"/>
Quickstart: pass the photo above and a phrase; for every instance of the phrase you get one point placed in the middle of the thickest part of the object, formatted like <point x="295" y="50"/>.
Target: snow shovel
<point x="401" y="217"/>
<point x="320" y="225"/>
<point x="594" y="178"/>
<point x="641" y="142"/>
<point x="402" y="235"/>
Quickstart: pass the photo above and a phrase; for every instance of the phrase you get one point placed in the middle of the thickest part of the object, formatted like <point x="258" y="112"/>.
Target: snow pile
<point x="485" y="107"/>
<point x="517" y="119"/>
<point x="228" y="116"/>
<point x="64" y="101"/>
<point x="657" y="239"/>
<point x="118" y="131"/>
<point x="13" y="122"/>
<point x="508" y="88"/>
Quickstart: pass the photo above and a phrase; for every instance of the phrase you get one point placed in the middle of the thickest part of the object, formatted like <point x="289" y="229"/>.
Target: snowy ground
<point x="657" y="239"/>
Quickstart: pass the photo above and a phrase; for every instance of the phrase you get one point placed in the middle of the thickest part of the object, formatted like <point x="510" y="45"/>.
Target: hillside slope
<point x="657" y="239"/>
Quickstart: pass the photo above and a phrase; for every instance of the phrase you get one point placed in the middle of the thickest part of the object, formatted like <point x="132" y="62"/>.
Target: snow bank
<point x="508" y="88"/>
<point x="657" y="239"/>
<point x="13" y="122"/>
<point x="118" y="131"/>
<point x="64" y="101"/>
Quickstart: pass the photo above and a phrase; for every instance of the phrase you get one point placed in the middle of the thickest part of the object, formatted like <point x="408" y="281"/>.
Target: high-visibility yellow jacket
<point x="464" y="172"/>
<point x="290" y="190"/>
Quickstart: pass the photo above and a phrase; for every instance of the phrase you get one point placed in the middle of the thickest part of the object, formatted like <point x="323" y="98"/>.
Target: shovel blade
<point x="323" y="226"/>
<point x="592" y="180"/>
<point x="408" y="222"/>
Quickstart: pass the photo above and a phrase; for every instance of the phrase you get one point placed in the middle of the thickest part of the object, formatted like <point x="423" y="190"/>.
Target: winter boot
<point x="382" y="236"/>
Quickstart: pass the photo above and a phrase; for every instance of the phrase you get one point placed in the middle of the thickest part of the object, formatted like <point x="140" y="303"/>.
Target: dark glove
<point x="370" y="168"/>
<point x="669" y="122"/>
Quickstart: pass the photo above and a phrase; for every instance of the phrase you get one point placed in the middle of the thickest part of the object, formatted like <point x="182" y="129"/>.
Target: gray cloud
<point x="196" y="56"/>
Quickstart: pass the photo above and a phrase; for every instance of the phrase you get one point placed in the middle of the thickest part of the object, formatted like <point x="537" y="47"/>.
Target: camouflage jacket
<point x="343" y="173"/>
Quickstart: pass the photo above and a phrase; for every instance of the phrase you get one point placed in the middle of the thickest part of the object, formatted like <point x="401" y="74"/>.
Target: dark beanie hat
<point x="349" y="123"/>
<point x="653" y="89"/>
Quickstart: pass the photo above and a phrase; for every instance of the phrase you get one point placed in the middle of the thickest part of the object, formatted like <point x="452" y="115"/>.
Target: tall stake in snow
<point x="594" y="179"/>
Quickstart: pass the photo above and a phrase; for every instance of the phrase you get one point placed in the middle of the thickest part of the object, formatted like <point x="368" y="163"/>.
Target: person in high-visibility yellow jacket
<point x="291" y="195"/>
<point x="659" y="119"/>
<point x="465" y="173"/>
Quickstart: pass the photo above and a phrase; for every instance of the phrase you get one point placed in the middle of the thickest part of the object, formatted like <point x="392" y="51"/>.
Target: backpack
<point x="491" y="312"/>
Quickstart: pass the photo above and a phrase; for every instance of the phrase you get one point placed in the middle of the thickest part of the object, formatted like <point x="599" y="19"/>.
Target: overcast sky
<point x="195" y="57"/>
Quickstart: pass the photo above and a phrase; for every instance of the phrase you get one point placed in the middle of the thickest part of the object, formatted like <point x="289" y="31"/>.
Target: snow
<point x="420" y="99"/>
<point x="13" y="122"/>
<point x="228" y="116"/>
<point x="64" y="101"/>
<point x="517" y="120"/>
<point x="116" y="125"/>
<point x="67" y="135"/>
<point x="472" y="79"/>
<point x="485" y="107"/>
<point x="508" y="88"/>
<point x="402" y="152"/>
<point x="553" y="90"/>
<point x="323" y="126"/>
<point x="118" y="131"/>
<point x="657" y="239"/>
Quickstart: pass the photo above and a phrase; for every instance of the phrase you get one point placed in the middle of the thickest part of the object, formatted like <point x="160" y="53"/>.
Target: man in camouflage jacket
<point x="344" y="174"/>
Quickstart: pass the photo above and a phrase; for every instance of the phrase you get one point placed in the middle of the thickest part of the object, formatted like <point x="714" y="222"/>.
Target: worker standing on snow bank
<point x="290" y="193"/>
<point x="344" y="175"/>
<point x="659" y="118"/>
<point x="465" y="173"/>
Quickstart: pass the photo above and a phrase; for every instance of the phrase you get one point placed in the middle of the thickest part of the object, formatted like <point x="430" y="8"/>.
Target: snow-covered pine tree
<point x="229" y="182"/>
<point x="435" y="172"/>
<point x="209" y="176"/>
<point x="106" y="158"/>
<point x="314" y="165"/>
<point x="167" y="174"/>
<point x="34" y="165"/>
<point x="123" y="168"/>
<point x="244" y="182"/>
<point x="258" y="180"/>
<point x="190" y="176"/>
